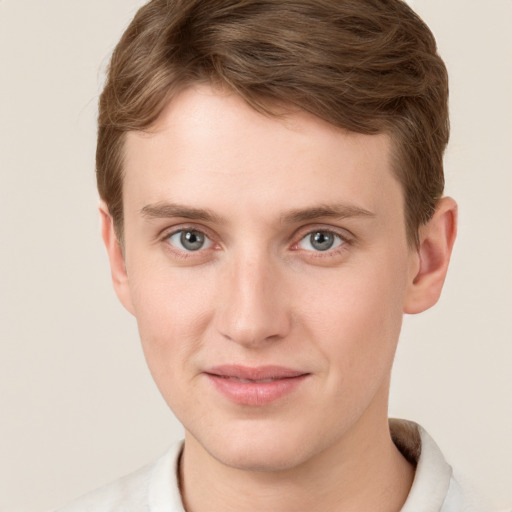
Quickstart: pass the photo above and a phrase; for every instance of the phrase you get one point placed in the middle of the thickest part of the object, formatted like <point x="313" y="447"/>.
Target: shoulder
<point x="128" y="494"/>
<point x="463" y="496"/>
<point x="151" y="488"/>
<point x="458" y="499"/>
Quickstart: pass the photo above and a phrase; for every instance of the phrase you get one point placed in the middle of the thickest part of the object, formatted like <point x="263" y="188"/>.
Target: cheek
<point x="172" y="311"/>
<point x="356" y="319"/>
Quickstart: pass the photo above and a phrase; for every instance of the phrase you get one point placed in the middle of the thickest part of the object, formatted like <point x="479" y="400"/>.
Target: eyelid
<point x="168" y="232"/>
<point x="172" y="230"/>
<point x="304" y="231"/>
<point x="345" y="235"/>
<point x="207" y="241"/>
<point x="338" y="241"/>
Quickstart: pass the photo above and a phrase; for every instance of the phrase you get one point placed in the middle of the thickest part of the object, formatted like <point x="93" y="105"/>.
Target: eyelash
<point x="345" y="240"/>
<point x="183" y="253"/>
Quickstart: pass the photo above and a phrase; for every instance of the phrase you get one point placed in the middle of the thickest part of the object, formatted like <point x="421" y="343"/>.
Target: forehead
<point x="210" y="147"/>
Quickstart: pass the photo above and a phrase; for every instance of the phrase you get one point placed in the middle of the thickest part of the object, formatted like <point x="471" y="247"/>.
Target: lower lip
<point x="255" y="393"/>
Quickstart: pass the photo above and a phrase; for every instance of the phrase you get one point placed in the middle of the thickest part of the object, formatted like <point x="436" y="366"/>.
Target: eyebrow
<point x="338" y="212"/>
<point x="172" y="210"/>
<point x="169" y="210"/>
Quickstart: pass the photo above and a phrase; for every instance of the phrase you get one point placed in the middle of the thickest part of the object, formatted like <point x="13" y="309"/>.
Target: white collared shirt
<point x="154" y="488"/>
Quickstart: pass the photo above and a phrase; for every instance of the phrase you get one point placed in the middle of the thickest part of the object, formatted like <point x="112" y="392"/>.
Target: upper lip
<point x="254" y="373"/>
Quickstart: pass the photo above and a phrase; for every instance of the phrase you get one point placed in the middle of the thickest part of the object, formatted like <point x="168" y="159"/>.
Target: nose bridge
<point x="253" y="308"/>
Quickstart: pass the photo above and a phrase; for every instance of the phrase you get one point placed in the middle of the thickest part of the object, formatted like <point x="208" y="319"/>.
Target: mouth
<point x="258" y="386"/>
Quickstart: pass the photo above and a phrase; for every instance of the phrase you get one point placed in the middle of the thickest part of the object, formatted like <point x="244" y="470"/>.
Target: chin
<point x="259" y="448"/>
<point x="254" y="458"/>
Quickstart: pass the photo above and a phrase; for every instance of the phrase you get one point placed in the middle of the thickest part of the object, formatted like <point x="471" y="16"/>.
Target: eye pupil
<point x="192" y="240"/>
<point x="321" y="240"/>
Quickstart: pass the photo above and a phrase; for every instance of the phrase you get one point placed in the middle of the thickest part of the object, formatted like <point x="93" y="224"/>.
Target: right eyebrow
<point x="164" y="210"/>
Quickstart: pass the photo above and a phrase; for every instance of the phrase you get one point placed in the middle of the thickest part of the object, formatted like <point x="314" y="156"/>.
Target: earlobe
<point x="116" y="258"/>
<point x="436" y="243"/>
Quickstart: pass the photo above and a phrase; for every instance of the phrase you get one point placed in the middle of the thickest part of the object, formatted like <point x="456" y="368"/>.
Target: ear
<point x="433" y="254"/>
<point x="116" y="257"/>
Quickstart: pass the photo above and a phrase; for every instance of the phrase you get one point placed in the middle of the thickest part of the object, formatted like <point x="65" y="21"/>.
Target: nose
<point x="253" y="305"/>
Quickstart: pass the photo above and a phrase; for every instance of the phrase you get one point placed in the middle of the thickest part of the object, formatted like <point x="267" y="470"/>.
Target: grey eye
<point x="320" y="241"/>
<point x="190" y="240"/>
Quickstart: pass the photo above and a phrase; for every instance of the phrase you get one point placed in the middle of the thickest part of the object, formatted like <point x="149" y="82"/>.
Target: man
<point x="271" y="181"/>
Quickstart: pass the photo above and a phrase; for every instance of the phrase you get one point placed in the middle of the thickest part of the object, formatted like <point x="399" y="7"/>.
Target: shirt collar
<point x="433" y="473"/>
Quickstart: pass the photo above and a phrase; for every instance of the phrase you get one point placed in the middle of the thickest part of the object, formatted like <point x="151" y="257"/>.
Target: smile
<point x="254" y="386"/>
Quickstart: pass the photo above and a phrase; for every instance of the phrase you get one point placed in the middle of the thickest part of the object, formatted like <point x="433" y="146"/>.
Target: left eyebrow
<point x="338" y="212"/>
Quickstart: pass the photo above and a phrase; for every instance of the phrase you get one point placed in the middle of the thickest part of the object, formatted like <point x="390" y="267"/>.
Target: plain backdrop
<point x="77" y="405"/>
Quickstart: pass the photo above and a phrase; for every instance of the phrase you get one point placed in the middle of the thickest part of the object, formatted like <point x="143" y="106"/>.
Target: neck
<point x="353" y="476"/>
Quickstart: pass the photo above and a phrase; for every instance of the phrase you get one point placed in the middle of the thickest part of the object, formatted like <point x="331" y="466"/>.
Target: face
<point x="268" y="268"/>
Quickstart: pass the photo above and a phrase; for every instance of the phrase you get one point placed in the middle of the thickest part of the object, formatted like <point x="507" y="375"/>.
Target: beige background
<point x="77" y="405"/>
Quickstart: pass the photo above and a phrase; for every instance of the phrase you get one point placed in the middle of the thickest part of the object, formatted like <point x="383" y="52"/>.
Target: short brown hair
<point x="369" y="66"/>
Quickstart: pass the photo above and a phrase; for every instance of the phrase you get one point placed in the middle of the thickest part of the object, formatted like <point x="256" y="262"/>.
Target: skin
<point x="259" y="293"/>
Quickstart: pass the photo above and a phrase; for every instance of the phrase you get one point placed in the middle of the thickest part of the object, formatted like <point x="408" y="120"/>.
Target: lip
<point x="254" y="386"/>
